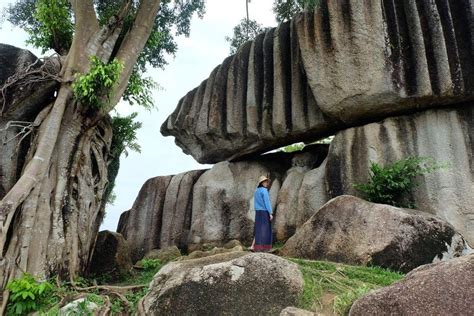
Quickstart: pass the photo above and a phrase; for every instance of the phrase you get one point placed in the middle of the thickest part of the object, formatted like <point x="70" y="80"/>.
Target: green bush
<point x="393" y="183"/>
<point x="150" y="264"/>
<point x="28" y="295"/>
<point x="91" y="87"/>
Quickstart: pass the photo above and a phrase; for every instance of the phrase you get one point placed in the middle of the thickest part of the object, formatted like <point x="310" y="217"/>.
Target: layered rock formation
<point x="303" y="182"/>
<point x="350" y="230"/>
<point x="161" y="200"/>
<point x="349" y="62"/>
<point x="447" y="136"/>
<point x="216" y="205"/>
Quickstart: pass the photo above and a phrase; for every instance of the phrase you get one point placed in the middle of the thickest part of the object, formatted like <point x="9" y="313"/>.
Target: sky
<point x="197" y="56"/>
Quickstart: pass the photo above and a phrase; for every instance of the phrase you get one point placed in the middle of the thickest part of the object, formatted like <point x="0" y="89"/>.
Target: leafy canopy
<point x="49" y="24"/>
<point x="284" y="10"/>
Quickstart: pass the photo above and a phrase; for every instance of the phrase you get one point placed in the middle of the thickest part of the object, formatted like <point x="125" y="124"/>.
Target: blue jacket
<point x="261" y="200"/>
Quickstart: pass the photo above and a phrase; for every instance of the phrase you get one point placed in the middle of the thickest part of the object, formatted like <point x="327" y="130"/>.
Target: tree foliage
<point x="92" y="87"/>
<point x="393" y="183"/>
<point x="49" y="24"/>
<point x="285" y="9"/>
<point x="245" y="31"/>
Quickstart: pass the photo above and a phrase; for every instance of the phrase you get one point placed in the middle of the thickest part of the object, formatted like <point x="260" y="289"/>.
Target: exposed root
<point x="5" y="297"/>
<point x="48" y="70"/>
<point x="110" y="288"/>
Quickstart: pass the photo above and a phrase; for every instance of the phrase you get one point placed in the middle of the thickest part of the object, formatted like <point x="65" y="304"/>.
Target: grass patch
<point x="346" y="283"/>
<point x="144" y="276"/>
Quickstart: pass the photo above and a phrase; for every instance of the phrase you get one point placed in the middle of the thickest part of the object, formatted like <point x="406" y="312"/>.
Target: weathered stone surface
<point x="141" y="225"/>
<point x="161" y="214"/>
<point x="214" y="251"/>
<point x="111" y="255"/>
<point x="443" y="288"/>
<point x="21" y="101"/>
<point x="350" y="230"/>
<point x="294" y="311"/>
<point x="288" y="214"/>
<point x="445" y="135"/>
<point x="348" y="63"/>
<point x="164" y="255"/>
<point x="223" y="200"/>
<point x="227" y="284"/>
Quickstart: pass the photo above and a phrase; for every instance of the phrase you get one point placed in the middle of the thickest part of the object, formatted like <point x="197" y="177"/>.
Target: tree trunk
<point x="49" y="219"/>
<point x="54" y="229"/>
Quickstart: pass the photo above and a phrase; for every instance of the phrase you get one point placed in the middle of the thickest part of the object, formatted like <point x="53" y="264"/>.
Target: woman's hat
<point x="262" y="178"/>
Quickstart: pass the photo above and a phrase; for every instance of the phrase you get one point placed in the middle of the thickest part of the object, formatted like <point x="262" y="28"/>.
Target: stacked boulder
<point x="389" y="79"/>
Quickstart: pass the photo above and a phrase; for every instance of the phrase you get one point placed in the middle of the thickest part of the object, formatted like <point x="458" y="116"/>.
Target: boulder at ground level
<point x="164" y="255"/>
<point x="111" y="255"/>
<point x="214" y="251"/>
<point x="236" y="283"/>
<point x="294" y="311"/>
<point x="350" y="230"/>
<point x="444" y="288"/>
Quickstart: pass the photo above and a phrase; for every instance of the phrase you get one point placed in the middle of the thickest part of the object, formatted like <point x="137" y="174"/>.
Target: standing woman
<point x="263" y="217"/>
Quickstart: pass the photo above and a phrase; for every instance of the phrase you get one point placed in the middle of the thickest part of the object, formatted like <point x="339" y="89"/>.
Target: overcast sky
<point x="195" y="59"/>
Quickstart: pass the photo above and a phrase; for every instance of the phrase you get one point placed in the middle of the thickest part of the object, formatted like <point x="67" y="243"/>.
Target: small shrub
<point x="151" y="264"/>
<point x="393" y="183"/>
<point x="28" y="295"/>
<point x="89" y="88"/>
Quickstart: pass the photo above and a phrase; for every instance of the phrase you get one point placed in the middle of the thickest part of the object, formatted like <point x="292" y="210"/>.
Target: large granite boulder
<point x="445" y="135"/>
<point x="223" y="201"/>
<point x="346" y="63"/>
<point x="236" y="283"/>
<point x="111" y="255"/>
<point x="162" y="202"/>
<point x="444" y="288"/>
<point x="21" y="100"/>
<point x="350" y="230"/>
<point x="288" y="214"/>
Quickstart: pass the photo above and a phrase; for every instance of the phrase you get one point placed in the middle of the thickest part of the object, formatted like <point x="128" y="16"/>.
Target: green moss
<point x="346" y="283"/>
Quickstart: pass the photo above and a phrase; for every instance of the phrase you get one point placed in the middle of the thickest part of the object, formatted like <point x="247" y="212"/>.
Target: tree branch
<point x="133" y="44"/>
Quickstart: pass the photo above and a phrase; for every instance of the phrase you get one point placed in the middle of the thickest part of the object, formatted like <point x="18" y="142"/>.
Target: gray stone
<point x="141" y="225"/>
<point x="350" y="230"/>
<point x="286" y="214"/>
<point x="344" y="64"/>
<point x="444" y="135"/>
<point x="21" y="101"/>
<point x="164" y="255"/>
<point x="111" y="256"/>
<point x="161" y="215"/>
<point x="443" y="288"/>
<point x="226" y="284"/>
<point x="294" y="311"/>
<point x="214" y="251"/>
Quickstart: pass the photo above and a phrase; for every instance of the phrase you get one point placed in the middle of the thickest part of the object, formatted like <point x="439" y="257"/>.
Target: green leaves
<point x="393" y="183"/>
<point x="28" y="295"/>
<point x="245" y="31"/>
<point x="53" y="27"/>
<point x="139" y="90"/>
<point x="92" y="87"/>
